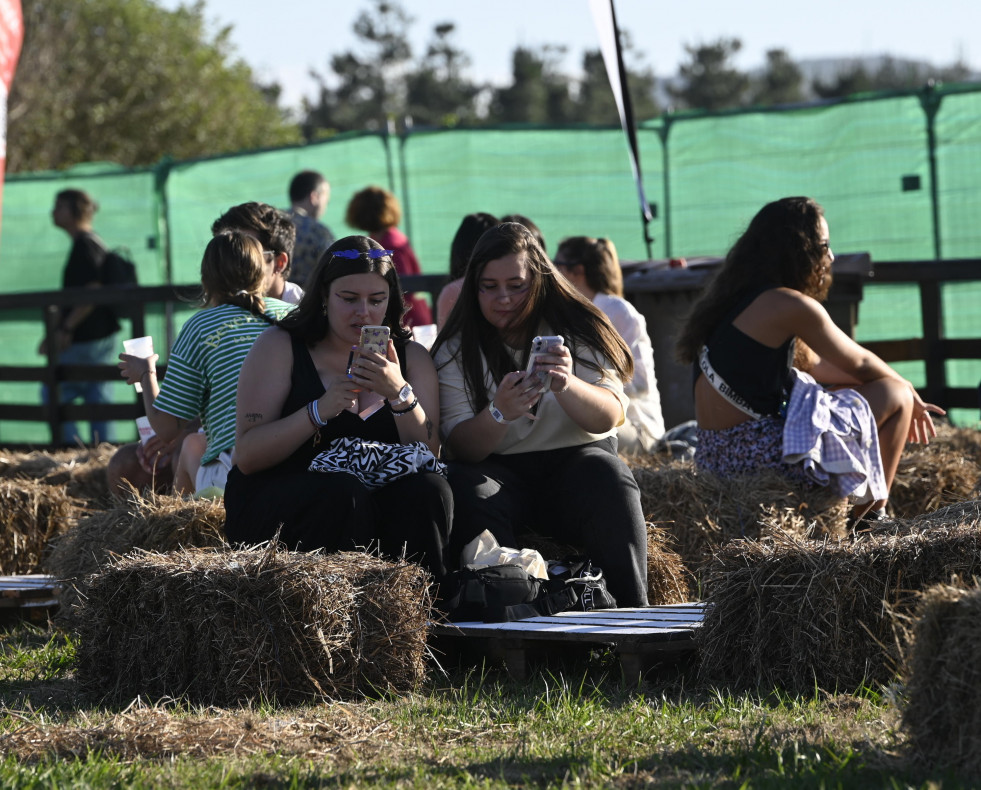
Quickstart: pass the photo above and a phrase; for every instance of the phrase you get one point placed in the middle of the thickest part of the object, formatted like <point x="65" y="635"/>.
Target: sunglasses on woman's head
<point x="360" y="253"/>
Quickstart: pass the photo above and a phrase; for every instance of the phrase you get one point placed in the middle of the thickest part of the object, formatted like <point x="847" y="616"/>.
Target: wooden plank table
<point x="639" y="636"/>
<point x="30" y="597"/>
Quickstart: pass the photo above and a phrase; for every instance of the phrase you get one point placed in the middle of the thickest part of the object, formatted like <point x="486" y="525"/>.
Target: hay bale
<point x="946" y="470"/>
<point x="703" y="511"/>
<point x="156" y="522"/>
<point x="82" y="471"/>
<point x="942" y="715"/>
<point x="223" y="627"/>
<point x="31" y="514"/>
<point x="791" y="612"/>
<point x="668" y="580"/>
<point x="391" y="621"/>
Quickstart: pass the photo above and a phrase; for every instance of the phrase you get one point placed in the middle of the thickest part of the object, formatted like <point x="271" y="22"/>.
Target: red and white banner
<point x="11" y="38"/>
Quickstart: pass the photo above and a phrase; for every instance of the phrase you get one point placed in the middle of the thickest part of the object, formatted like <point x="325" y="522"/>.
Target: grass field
<point x="467" y="728"/>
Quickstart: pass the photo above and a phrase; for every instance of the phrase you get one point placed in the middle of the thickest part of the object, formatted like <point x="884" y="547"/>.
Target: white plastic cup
<point x="146" y="431"/>
<point x="139" y="347"/>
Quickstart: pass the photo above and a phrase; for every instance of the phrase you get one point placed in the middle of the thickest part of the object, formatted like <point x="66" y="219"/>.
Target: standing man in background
<point x="309" y="195"/>
<point x="86" y="334"/>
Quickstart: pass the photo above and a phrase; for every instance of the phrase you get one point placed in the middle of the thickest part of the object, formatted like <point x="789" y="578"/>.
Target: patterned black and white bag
<point x="376" y="463"/>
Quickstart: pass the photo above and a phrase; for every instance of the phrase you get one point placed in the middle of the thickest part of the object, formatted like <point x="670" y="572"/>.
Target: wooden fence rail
<point x="933" y="348"/>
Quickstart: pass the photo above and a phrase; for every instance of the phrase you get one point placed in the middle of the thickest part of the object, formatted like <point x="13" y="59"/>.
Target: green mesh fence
<point x="868" y="161"/>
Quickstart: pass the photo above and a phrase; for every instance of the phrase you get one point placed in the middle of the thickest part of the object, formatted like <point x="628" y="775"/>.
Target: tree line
<point x="129" y="82"/>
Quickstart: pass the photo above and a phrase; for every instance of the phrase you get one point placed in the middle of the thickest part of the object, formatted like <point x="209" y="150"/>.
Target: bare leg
<point x="892" y="404"/>
<point x="192" y="450"/>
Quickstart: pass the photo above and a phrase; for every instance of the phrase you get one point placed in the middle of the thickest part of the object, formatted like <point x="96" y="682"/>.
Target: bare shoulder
<point x="417" y="357"/>
<point x="272" y="344"/>
<point x="788" y="301"/>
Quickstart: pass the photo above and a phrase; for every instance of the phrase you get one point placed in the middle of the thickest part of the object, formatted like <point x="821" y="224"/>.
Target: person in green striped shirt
<point x="203" y="366"/>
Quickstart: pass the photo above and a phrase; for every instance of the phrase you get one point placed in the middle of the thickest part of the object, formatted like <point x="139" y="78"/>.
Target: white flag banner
<point x="606" y="27"/>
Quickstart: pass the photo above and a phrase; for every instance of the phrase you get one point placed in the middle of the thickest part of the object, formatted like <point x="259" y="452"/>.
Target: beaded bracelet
<point x="313" y="414"/>
<point x="406" y="410"/>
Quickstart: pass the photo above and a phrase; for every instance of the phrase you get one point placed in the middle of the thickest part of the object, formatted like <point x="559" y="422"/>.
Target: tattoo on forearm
<point x="253" y="416"/>
<point x="429" y="428"/>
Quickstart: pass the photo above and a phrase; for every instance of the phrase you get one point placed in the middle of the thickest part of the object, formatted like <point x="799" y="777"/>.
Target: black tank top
<point x="305" y="386"/>
<point x="759" y="373"/>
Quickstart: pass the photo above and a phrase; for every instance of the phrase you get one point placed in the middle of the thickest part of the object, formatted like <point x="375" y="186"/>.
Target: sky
<point x="283" y="40"/>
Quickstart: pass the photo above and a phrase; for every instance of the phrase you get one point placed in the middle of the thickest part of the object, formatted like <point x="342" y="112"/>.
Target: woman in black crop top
<point x="296" y="395"/>
<point x="764" y="301"/>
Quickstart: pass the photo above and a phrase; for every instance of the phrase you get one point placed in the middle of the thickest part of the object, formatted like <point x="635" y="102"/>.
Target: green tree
<point x="595" y="103"/>
<point x="437" y="92"/>
<point x="538" y="92"/>
<point x="781" y="81"/>
<point x="370" y="79"/>
<point x="128" y="82"/>
<point x="708" y="81"/>
<point x="891" y="75"/>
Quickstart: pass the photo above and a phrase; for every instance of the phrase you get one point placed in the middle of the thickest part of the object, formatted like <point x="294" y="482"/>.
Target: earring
<point x="325" y="308"/>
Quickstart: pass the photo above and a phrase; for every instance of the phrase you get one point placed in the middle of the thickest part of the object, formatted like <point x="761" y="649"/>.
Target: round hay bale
<point x="790" y="612"/>
<point x="946" y="470"/>
<point x="942" y="715"/>
<point x="156" y="522"/>
<point x="31" y="515"/>
<point x="703" y="511"/>
<point x="668" y="580"/>
<point x="217" y="627"/>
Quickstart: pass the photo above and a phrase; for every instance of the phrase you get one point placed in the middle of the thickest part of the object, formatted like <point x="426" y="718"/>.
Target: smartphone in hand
<point x="541" y="345"/>
<point x="374" y="338"/>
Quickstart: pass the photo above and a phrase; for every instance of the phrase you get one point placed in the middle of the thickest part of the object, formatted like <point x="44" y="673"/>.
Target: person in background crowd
<point x="87" y="335"/>
<point x="309" y="195"/>
<point x="593" y="267"/>
<point x="471" y="228"/>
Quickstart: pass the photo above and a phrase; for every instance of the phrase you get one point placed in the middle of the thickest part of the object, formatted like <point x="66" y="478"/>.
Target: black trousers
<point x="584" y="495"/>
<point x="336" y="512"/>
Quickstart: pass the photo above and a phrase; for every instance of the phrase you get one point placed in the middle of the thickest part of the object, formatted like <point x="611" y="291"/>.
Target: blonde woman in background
<point x="593" y="267"/>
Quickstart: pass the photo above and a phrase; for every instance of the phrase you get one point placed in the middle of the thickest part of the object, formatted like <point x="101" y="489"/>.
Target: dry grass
<point x="668" y="580"/>
<point x="945" y="471"/>
<point x="224" y="627"/>
<point x="81" y="471"/>
<point x="338" y="732"/>
<point x="942" y="716"/>
<point x="156" y="522"/>
<point x="796" y="613"/>
<point x="31" y="514"/>
<point x="703" y="512"/>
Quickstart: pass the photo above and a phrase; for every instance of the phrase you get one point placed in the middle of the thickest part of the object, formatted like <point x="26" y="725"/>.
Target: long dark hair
<point x="551" y="299"/>
<point x="781" y="247"/>
<point x="309" y="320"/>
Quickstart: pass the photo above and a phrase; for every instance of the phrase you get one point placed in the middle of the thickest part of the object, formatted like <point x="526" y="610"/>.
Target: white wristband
<point x="497" y="415"/>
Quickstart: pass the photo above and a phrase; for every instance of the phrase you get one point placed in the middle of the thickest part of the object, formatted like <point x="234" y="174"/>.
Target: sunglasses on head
<point x="360" y="253"/>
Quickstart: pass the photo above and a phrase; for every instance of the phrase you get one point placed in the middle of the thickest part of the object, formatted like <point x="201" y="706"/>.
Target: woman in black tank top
<point x="741" y="336"/>
<point x="305" y="384"/>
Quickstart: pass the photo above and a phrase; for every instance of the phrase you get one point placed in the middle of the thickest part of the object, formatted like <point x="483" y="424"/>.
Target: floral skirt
<point x="746" y="449"/>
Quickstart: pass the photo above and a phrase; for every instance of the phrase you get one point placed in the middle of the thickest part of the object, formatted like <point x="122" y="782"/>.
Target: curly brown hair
<point x="781" y="247"/>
